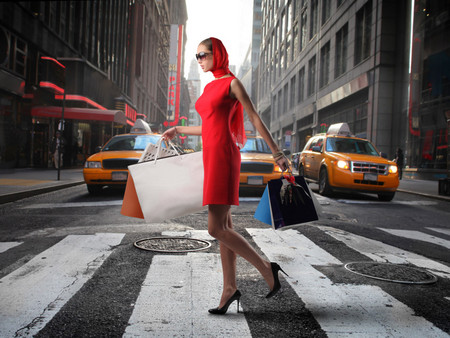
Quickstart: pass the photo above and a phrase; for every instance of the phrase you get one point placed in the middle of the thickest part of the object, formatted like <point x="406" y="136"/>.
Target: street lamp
<point x="55" y="79"/>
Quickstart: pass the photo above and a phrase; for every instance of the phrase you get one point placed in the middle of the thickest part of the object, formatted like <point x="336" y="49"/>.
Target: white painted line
<point x="73" y="204"/>
<point x="198" y="234"/>
<point x="34" y="293"/>
<point x="391" y="202"/>
<point x="342" y="310"/>
<point x="175" y="298"/>
<point x="417" y="235"/>
<point x="4" y="246"/>
<point x="440" y="230"/>
<point x="381" y="252"/>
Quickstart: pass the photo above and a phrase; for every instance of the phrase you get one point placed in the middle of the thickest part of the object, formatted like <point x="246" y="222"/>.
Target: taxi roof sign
<point x="140" y="126"/>
<point x="339" y="129"/>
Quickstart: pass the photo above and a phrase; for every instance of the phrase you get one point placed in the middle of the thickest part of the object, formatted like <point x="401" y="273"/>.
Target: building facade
<point x="90" y="68"/>
<point x="325" y="62"/>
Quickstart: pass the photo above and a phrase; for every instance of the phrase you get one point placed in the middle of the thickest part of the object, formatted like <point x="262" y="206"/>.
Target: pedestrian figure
<point x="57" y="148"/>
<point x="222" y="130"/>
<point x="399" y="159"/>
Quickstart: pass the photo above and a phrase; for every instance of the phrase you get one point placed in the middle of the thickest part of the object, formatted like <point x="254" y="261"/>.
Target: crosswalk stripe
<point x="175" y="297"/>
<point x="381" y="252"/>
<point x="5" y="246"/>
<point x="440" y="230"/>
<point x="420" y="236"/>
<point x="425" y="203"/>
<point x="340" y="309"/>
<point x="35" y="292"/>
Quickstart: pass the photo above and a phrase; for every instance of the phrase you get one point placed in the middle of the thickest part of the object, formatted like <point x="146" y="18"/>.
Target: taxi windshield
<point x="351" y="146"/>
<point x="130" y="142"/>
<point x="256" y="145"/>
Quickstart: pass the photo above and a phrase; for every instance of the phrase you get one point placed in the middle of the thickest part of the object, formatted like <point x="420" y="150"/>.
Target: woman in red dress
<point x="222" y="130"/>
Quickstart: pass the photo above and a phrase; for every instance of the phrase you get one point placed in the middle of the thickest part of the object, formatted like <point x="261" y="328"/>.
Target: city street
<point x="68" y="267"/>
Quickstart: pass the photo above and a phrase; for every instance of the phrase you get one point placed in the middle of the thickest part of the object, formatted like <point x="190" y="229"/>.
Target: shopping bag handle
<point x="159" y="148"/>
<point x="291" y="179"/>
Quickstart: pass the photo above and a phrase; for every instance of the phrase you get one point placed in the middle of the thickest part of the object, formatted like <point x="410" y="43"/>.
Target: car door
<point x="306" y="157"/>
<point x="315" y="158"/>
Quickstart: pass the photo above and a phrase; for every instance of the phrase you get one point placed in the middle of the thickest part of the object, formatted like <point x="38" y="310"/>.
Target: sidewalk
<point x="16" y="184"/>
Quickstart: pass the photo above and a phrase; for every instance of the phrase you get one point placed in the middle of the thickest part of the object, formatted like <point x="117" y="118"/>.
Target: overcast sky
<point x="228" y="20"/>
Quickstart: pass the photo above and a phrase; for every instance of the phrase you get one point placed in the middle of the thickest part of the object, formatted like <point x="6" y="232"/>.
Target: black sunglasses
<point x="201" y="55"/>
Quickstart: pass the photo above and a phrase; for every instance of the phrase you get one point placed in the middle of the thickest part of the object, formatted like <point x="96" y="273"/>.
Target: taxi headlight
<point x="93" y="164"/>
<point x="342" y="164"/>
<point x="393" y="169"/>
<point x="277" y="168"/>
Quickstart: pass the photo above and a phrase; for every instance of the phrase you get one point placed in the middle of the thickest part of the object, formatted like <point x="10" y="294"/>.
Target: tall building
<point x="324" y="62"/>
<point x="89" y="67"/>
<point x="195" y="87"/>
<point x="428" y="109"/>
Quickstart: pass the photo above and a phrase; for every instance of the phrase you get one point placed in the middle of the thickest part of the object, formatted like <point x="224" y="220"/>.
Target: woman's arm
<point x="238" y="92"/>
<point x="188" y="130"/>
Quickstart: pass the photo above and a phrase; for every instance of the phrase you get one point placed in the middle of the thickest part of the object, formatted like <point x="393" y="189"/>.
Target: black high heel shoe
<point x="222" y="310"/>
<point x="276" y="285"/>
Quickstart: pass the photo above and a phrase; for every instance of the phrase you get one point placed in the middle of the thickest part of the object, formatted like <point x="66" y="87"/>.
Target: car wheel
<point x="301" y="170"/>
<point x="324" y="185"/>
<point x="386" y="196"/>
<point x="94" y="189"/>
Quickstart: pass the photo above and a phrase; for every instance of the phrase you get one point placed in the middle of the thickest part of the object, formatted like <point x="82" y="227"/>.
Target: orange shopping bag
<point x="130" y="205"/>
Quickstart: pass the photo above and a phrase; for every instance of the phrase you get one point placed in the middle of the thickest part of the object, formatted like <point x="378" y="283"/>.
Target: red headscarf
<point x="220" y="68"/>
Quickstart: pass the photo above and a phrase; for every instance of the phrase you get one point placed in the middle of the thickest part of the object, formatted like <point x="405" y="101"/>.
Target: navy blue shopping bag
<point x="299" y="207"/>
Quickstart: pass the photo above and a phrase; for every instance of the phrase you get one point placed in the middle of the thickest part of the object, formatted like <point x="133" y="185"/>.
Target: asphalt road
<point x="68" y="267"/>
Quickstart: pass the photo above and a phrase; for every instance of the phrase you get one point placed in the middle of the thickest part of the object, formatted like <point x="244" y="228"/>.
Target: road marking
<point x="340" y="309"/>
<point x="381" y="252"/>
<point x="175" y="298"/>
<point x="198" y="234"/>
<point x="73" y="204"/>
<point x="4" y="246"/>
<point x="417" y="235"/>
<point x="440" y="230"/>
<point x="391" y="202"/>
<point x="35" y="292"/>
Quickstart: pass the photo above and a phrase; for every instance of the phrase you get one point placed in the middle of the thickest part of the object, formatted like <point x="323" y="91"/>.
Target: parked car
<point x="339" y="161"/>
<point x="109" y="166"/>
<point x="257" y="164"/>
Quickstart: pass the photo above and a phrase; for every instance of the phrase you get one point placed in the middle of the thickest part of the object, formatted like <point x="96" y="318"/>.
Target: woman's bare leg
<point x="228" y="259"/>
<point x="232" y="243"/>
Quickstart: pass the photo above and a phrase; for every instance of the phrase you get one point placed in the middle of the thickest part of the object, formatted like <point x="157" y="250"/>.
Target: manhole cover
<point x="396" y="273"/>
<point x="172" y="244"/>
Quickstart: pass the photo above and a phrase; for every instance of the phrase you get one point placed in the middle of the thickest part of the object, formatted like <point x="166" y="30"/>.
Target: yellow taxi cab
<point x="339" y="161"/>
<point x="109" y="166"/>
<point x="257" y="164"/>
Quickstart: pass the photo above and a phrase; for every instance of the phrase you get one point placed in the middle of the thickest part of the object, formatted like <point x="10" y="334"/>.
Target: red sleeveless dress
<point x="221" y="155"/>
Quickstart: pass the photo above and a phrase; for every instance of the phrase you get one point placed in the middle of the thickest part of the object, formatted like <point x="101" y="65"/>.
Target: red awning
<point x="117" y="116"/>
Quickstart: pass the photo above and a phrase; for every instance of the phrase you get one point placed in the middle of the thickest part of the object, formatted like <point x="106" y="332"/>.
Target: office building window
<point x="292" y="92"/>
<point x="311" y="76"/>
<point x="340" y="66"/>
<point x="324" y="65"/>
<point x="301" y="85"/>
<point x="303" y="29"/>
<point x="314" y="18"/>
<point x="285" y="98"/>
<point x="326" y="10"/>
<point x="362" y="31"/>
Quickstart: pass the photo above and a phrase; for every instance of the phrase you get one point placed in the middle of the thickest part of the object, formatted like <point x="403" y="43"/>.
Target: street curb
<point x="438" y="197"/>
<point x="12" y="197"/>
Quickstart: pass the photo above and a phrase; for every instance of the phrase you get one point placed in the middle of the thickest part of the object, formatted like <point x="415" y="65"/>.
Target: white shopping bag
<point x="169" y="187"/>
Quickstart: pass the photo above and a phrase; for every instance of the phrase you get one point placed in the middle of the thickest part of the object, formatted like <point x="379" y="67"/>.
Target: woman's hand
<point x="283" y="163"/>
<point x="169" y="134"/>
